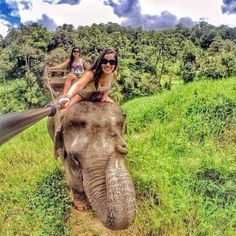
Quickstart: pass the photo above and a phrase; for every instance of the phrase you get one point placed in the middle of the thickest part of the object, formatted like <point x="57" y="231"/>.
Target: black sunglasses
<point x="76" y="51"/>
<point x="111" y="62"/>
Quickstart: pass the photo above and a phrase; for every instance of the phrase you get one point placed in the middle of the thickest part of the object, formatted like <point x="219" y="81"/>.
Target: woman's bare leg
<point x="68" y="82"/>
<point x="74" y="100"/>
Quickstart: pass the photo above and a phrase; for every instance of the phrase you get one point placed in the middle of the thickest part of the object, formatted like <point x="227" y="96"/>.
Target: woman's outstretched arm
<point x="76" y="88"/>
<point x="60" y="66"/>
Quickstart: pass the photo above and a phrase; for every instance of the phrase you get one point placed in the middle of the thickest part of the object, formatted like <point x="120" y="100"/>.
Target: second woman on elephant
<point x="95" y="83"/>
<point x="76" y="65"/>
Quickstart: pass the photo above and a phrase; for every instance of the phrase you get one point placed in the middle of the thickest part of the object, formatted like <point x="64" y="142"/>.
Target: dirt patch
<point x="86" y="223"/>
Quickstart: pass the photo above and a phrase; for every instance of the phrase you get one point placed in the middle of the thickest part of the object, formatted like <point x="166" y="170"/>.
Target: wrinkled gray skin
<point x="92" y="149"/>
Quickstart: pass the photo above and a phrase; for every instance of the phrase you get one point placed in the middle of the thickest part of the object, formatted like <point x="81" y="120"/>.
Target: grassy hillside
<point x="33" y="193"/>
<point x="183" y="161"/>
<point x="181" y="156"/>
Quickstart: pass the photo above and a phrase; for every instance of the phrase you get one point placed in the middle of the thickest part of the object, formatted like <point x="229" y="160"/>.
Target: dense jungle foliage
<point x="149" y="61"/>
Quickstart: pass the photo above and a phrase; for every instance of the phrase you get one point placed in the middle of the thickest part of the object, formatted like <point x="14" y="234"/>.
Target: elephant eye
<point x="81" y="123"/>
<point x="112" y="133"/>
<point x="76" y="159"/>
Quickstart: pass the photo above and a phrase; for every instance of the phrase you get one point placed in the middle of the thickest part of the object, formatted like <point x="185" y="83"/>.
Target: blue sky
<point x="150" y="14"/>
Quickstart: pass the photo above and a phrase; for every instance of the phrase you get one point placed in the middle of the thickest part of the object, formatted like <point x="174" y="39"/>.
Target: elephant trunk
<point x="112" y="196"/>
<point x="120" y="195"/>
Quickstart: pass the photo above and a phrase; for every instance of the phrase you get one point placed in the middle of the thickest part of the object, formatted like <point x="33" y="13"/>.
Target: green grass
<point x="181" y="157"/>
<point x="33" y="193"/>
<point x="183" y="161"/>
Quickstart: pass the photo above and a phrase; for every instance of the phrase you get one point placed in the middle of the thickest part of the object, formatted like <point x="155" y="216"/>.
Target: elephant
<point x="89" y="140"/>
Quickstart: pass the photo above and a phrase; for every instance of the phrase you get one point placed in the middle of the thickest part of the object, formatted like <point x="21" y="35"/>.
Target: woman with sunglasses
<point x="95" y="83"/>
<point x="76" y="65"/>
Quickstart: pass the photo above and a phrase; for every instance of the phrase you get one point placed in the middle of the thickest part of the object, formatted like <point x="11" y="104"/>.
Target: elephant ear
<point x="59" y="149"/>
<point x="124" y="126"/>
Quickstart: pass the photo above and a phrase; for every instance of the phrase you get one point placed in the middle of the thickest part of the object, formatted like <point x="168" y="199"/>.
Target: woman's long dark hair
<point x="96" y="67"/>
<point x="72" y="56"/>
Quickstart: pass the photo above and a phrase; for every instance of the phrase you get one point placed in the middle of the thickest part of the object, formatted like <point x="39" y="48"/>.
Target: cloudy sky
<point x="150" y="14"/>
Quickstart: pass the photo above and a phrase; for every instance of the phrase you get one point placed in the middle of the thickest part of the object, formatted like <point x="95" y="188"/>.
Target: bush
<point x="188" y="72"/>
<point x="50" y="202"/>
<point x="212" y="68"/>
<point x="18" y="96"/>
<point x="208" y="117"/>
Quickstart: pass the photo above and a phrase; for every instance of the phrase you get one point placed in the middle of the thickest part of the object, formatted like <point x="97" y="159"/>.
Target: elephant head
<point x="92" y="148"/>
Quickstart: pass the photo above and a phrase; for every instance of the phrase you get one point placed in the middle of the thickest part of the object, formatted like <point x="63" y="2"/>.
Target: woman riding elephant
<point x="76" y="65"/>
<point x="90" y="142"/>
<point x="95" y="83"/>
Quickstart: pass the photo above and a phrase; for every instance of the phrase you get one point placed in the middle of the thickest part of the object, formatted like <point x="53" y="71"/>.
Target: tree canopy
<point x="149" y="61"/>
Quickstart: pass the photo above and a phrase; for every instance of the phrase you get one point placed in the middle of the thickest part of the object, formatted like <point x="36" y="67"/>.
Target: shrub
<point x="208" y="116"/>
<point x="18" y="96"/>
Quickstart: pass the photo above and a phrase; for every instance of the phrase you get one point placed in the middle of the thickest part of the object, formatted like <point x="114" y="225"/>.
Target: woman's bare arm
<point x="86" y="64"/>
<point x="80" y="84"/>
<point x="60" y="66"/>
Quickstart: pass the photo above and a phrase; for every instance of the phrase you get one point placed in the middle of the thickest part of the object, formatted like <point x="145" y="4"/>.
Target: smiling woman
<point x="94" y="85"/>
<point x="76" y="65"/>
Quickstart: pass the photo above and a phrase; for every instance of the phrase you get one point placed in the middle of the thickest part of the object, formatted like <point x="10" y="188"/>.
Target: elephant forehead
<point x="97" y="113"/>
<point x="102" y="120"/>
<point x="90" y="121"/>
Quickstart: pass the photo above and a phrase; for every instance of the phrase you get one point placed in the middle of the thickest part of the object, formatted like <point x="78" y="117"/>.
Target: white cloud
<point x="85" y="13"/>
<point x="88" y="12"/>
<point x="196" y="9"/>
<point x="4" y="25"/>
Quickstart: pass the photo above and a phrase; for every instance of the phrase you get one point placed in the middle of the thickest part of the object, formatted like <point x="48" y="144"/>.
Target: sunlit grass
<point x="173" y="166"/>
<point x="26" y="162"/>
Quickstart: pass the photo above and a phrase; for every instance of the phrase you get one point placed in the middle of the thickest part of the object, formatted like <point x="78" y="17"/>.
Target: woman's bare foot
<point x="74" y="100"/>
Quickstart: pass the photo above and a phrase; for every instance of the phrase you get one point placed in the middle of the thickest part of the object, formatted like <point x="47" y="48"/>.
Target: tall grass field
<point x="182" y="158"/>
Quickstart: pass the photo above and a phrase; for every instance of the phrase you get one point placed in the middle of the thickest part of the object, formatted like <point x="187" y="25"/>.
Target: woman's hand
<point x="107" y="99"/>
<point x="64" y="101"/>
<point x="50" y="68"/>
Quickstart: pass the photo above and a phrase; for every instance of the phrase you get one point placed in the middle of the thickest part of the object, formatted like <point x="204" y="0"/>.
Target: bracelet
<point x="68" y="96"/>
